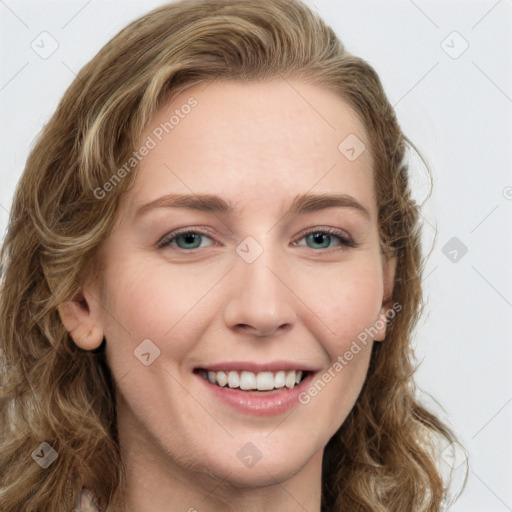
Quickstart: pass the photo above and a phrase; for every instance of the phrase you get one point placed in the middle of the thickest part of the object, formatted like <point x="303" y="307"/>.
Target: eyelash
<point x="170" y="237"/>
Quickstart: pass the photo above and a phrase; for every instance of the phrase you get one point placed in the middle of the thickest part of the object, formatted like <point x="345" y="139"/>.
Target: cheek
<point x="156" y="304"/>
<point x="162" y="301"/>
<point x="346" y="303"/>
<point x="348" y="308"/>
<point x="159" y="296"/>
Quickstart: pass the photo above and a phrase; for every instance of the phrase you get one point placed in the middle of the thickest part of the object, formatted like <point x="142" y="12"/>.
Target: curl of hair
<point x="382" y="458"/>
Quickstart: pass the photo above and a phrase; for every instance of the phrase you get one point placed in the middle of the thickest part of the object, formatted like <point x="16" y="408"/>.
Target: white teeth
<point x="233" y="380"/>
<point x="264" y="381"/>
<point x="222" y="379"/>
<point x="290" y="379"/>
<point x="279" y="379"/>
<point x="248" y="381"/>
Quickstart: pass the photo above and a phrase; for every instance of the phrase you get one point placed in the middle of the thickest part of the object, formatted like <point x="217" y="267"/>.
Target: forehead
<point x="251" y="140"/>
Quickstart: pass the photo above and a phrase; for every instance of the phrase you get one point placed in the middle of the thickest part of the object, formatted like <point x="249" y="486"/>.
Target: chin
<point x="241" y="467"/>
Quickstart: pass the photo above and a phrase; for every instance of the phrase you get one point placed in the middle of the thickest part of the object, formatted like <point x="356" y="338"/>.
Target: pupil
<point x="189" y="239"/>
<point x="320" y="238"/>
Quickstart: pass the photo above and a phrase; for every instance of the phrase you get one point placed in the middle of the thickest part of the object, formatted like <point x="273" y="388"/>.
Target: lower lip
<point x="266" y="403"/>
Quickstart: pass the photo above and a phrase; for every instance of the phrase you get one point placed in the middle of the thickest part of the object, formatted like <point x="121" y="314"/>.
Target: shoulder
<point x="86" y="502"/>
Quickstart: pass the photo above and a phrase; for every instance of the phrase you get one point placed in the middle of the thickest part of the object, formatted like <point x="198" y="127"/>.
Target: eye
<point x="190" y="239"/>
<point x="323" y="236"/>
<point x="185" y="238"/>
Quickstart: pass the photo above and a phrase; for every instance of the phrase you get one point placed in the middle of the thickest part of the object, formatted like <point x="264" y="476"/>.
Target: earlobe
<point x="389" y="281"/>
<point x="380" y="326"/>
<point x="78" y="319"/>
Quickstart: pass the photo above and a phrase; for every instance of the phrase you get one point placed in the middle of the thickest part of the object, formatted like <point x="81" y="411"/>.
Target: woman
<point x="210" y="279"/>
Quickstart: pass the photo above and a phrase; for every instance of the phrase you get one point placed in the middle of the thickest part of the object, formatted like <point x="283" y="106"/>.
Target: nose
<point x="261" y="301"/>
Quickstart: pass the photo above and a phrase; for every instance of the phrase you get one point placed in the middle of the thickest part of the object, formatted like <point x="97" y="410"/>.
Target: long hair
<point x="383" y="457"/>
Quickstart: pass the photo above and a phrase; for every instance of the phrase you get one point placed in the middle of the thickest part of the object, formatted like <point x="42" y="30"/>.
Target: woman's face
<point x="250" y="283"/>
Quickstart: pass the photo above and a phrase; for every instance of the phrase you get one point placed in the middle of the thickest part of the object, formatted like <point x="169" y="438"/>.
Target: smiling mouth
<point x="249" y="381"/>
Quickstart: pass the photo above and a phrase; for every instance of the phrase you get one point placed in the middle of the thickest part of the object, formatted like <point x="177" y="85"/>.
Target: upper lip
<point x="251" y="366"/>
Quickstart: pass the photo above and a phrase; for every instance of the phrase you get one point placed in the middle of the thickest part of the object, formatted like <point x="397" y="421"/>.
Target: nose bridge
<point x="260" y="300"/>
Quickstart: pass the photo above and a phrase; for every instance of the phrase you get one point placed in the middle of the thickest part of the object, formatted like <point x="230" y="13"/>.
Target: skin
<point x="257" y="145"/>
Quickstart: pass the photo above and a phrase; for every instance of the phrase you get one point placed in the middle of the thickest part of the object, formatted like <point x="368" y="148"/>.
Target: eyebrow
<point x="302" y="203"/>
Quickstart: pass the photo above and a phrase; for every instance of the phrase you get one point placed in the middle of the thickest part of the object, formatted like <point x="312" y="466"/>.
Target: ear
<point x="80" y="318"/>
<point x="389" y="270"/>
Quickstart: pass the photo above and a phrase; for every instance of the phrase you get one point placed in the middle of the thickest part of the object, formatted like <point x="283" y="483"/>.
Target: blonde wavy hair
<point x="383" y="457"/>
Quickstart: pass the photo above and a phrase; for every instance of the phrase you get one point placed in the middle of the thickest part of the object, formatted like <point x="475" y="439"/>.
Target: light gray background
<point x="457" y="110"/>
